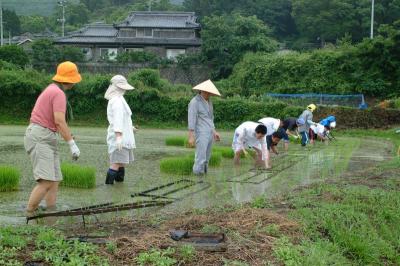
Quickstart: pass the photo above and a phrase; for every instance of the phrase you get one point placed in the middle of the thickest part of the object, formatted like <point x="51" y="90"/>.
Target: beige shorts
<point x="41" y="145"/>
<point x="125" y="156"/>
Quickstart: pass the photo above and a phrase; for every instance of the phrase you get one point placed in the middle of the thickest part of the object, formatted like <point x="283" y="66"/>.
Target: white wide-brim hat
<point x="120" y="81"/>
<point x="207" y="86"/>
<point x="332" y="124"/>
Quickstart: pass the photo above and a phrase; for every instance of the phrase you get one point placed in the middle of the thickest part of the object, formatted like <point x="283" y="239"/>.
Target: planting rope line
<point x="165" y="194"/>
<point x="160" y="187"/>
<point x="102" y="209"/>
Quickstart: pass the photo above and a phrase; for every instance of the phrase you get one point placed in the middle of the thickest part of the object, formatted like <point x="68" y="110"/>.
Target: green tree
<point x="227" y="38"/>
<point x="11" y="22"/>
<point x="14" y="54"/>
<point x="32" y="24"/>
<point x="44" y="51"/>
<point x="70" y="53"/>
<point x="77" y="14"/>
<point x="332" y="19"/>
<point x="93" y="5"/>
<point x="275" y="13"/>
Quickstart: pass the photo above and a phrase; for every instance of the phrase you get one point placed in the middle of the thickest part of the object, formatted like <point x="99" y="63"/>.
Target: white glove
<point x="134" y="129"/>
<point x="118" y="143"/>
<point x="74" y="149"/>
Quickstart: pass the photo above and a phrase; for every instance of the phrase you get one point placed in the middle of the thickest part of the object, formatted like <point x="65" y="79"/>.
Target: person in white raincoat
<point x="120" y="135"/>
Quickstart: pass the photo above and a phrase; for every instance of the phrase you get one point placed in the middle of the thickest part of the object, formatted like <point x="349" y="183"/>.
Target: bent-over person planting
<point x="48" y="118"/>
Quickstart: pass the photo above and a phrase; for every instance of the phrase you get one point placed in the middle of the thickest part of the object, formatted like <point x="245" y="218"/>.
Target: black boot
<point x="120" y="175"/>
<point x="111" y="176"/>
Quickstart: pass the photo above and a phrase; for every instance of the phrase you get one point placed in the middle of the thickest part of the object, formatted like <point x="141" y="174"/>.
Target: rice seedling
<point x="226" y="152"/>
<point x="215" y="160"/>
<point x="177" y="165"/>
<point x="176" y="141"/>
<point x="9" y="178"/>
<point x="77" y="176"/>
<point x="183" y="165"/>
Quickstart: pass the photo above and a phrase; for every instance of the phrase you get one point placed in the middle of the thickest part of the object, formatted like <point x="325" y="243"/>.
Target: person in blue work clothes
<point x="307" y="117"/>
<point x="329" y="122"/>
<point x="201" y="125"/>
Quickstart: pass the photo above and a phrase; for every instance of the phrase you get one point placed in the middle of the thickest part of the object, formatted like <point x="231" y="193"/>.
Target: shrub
<point x="176" y="141"/>
<point x="77" y="176"/>
<point x="14" y="54"/>
<point x="9" y="178"/>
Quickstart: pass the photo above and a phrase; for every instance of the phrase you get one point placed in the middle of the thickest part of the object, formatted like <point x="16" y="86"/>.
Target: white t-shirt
<point x="318" y="129"/>
<point x="272" y="124"/>
<point x="245" y="137"/>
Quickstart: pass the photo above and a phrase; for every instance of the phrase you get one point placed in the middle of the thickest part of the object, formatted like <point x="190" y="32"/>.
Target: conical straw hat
<point x="207" y="86"/>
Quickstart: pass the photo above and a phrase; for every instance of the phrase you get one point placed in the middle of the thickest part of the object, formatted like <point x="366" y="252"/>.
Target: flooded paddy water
<point x="223" y="185"/>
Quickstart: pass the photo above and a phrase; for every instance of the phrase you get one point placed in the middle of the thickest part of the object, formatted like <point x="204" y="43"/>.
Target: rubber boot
<point x="111" y="175"/>
<point x="120" y="175"/>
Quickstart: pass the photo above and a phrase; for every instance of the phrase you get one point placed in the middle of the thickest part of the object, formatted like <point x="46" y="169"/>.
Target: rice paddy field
<point x="270" y="211"/>
<point x="225" y="183"/>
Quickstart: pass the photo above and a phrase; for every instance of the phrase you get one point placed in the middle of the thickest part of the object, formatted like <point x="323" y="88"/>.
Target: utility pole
<point x="63" y="4"/>
<point x="1" y="23"/>
<point x="372" y="18"/>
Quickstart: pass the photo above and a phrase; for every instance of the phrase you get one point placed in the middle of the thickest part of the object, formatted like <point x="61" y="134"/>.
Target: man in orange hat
<point x="201" y="125"/>
<point x="48" y="118"/>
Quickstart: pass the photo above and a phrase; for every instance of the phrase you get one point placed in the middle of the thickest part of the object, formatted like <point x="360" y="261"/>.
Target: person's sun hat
<point x="312" y="107"/>
<point x="120" y="81"/>
<point x="67" y="72"/>
<point x="207" y="86"/>
<point x="332" y="124"/>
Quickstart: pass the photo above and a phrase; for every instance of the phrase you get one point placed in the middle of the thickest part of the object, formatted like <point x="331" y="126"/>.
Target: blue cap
<point x="300" y="121"/>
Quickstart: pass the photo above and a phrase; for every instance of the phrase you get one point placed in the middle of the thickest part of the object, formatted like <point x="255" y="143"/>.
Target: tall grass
<point x="9" y="178"/>
<point x="77" y="176"/>
<point x="183" y="165"/>
<point x="176" y="141"/>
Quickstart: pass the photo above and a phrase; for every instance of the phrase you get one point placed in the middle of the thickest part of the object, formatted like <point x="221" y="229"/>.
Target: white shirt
<point x="272" y="124"/>
<point x="245" y="136"/>
<point x="318" y="129"/>
<point x="119" y="116"/>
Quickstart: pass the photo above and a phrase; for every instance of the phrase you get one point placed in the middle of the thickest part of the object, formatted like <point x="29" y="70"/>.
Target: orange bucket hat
<point x="67" y="72"/>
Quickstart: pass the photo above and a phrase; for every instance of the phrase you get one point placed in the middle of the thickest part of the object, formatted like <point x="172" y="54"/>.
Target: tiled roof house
<point x="167" y="34"/>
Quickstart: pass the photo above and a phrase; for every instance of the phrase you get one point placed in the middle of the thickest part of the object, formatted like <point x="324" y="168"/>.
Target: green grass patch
<point x="176" y="141"/>
<point x="46" y="245"/>
<point x="157" y="257"/>
<point x="9" y="178"/>
<point x="78" y="176"/>
<point x="183" y="165"/>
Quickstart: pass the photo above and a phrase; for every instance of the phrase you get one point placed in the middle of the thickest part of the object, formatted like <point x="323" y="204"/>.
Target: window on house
<point x="174" y="34"/>
<point x="87" y="52"/>
<point x="174" y="53"/>
<point x="127" y="33"/>
<point x="109" y="53"/>
<point x="144" y="33"/>
<point x="134" y="49"/>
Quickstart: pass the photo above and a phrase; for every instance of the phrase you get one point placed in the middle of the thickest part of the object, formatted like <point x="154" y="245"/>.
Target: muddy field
<point x="253" y="208"/>
<point x="224" y="185"/>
